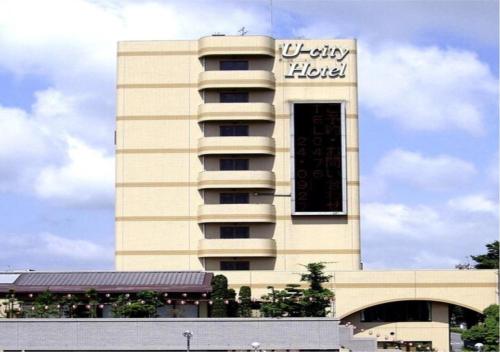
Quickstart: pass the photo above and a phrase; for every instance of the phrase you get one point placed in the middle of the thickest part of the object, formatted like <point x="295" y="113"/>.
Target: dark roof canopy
<point x="107" y="281"/>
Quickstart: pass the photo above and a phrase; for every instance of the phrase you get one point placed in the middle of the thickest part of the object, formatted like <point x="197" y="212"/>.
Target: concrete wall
<point x="167" y="334"/>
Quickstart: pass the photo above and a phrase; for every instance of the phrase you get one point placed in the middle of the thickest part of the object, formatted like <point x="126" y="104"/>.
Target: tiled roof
<point x="176" y="281"/>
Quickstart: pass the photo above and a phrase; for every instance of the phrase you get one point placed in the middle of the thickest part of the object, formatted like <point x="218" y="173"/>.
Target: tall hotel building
<point x="237" y="154"/>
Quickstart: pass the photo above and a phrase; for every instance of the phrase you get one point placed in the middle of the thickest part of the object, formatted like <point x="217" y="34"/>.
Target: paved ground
<point x="456" y="342"/>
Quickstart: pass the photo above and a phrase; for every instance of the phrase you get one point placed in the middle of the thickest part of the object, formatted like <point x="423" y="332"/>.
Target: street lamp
<point x="255" y="346"/>
<point x="188" y="334"/>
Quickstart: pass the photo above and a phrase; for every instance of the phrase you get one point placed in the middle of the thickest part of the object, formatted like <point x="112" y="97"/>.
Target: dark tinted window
<point x="234" y="198"/>
<point x="234" y="97"/>
<point x="234" y="130"/>
<point x="398" y="311"/>
<point x="233" y="164"/>
<point x="237" y="265"/>
<point x="234" y="232"/>
<point x="233" y="65"/>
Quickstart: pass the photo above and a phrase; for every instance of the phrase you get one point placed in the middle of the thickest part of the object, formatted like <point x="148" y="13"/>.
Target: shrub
<point x="485" y="332"/>
<point x="143" y="305"/>
<point x="219" y="295"/>
<point x="245" y="305"/>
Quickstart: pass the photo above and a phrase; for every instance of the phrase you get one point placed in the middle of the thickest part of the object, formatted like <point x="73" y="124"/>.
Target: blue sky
<point x="428" y="95"/>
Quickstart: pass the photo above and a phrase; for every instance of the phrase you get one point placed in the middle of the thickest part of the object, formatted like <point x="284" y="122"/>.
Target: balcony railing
<point x="241" y="247"/>
<point x="236" y="179"/>
<point x="254" y="79"/>
<point x="235" y="112"/>
<point x="237" y="45"/>
<point x="248" y="213"/>
<point x="236" y="145"/>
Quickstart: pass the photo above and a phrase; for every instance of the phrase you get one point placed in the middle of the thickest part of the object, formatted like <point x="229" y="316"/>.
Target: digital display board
<point x="318" y="159"/>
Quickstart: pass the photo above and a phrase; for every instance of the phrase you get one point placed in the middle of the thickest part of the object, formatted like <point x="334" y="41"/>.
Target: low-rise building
<point x="96" y="294"/>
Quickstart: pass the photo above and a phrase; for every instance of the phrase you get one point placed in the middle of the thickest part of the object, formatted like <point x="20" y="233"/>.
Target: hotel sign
<point x="303" y="69"/>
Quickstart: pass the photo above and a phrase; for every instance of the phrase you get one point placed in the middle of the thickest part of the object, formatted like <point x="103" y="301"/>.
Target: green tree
<point x="485" y="332"/>
<point x="44" y="306"/>
<point x="295" y="302"/>
<point x="70" y="303"/>
<point x="488" y="260"/>
<point x="143" y="305"/>
<point x="245" y="305"/>
<point x="219" y="295"/>
<point x="279" y="303"/>
<point x="316" y="299"/>
<point x="92" y="298"/>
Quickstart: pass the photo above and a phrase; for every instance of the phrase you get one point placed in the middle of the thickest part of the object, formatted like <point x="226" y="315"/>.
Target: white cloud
<point x="25" y="146"/>
<point x="426" y="88"/>
<point x="399" y="219"/>
<point x="422" y="236"/>
<point x="427" y="172"/>
<point x="413" y="169"/>
<point x="47" y="251"/>
<point x="474" y="203"/>
<point x="87" y="178"/>
<point x="492" y="170"/>
<point x="314" y="30"/>
<point x="45" y="151"/>
<point x="74" y="248"/>
<point x="475" y="21"/>
<point x="425" y="259"/>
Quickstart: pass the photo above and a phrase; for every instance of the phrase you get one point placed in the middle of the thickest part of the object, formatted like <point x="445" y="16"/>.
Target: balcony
<point x="236" y="45"/>
<point x="220" y="213"/>
<point x="236" y="179"/>
<point x="241" y="247"/>
<point x="254" y="79"/>
<point x="235" y="145"/>
<point x="235" y="112"/>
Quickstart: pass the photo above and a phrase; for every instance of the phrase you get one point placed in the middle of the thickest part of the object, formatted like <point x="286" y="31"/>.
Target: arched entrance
<point x="412" y="325"/>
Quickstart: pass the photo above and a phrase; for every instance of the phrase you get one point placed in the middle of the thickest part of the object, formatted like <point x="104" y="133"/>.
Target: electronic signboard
<point x="318" y="159"/>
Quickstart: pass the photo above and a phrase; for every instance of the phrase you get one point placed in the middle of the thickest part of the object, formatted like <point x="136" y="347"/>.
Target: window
<point x="234" y="97"/>
<point x="233" y="164"/>
<point x="398" y="311"/>
<point x="234" y="198"/>
<point x="234" y="232"/>
<point x="236" y="265"/>
<point x="233" y="130"/>
<point x="231" y="65"/>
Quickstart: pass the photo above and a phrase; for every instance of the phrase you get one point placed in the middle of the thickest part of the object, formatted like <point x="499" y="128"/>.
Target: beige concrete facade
<point x="168" y="180"/>
<point x="168" y="147"/>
